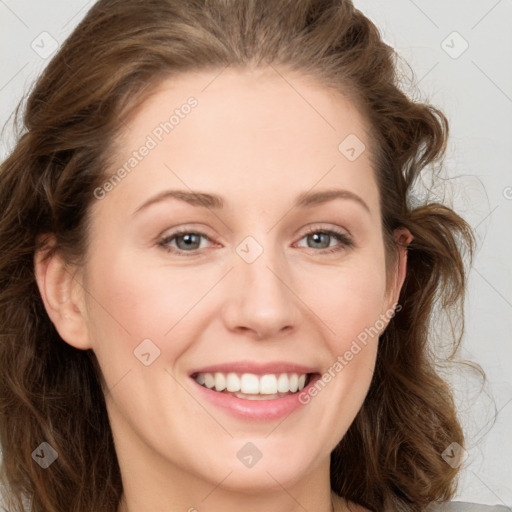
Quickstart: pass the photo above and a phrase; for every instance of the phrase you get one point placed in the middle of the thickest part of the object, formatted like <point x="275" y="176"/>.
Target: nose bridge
<point x="260" y="298"/>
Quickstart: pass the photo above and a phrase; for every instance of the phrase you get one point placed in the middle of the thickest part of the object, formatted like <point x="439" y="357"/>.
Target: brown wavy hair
<point x="390" y="458"/>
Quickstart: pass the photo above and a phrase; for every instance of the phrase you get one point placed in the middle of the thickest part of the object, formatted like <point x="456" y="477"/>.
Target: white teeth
<point x="294" y="382"/>
<point x="232" y="382"/>
<point x="283" y="383"/>
<point x="220" y="381"/>
<point x="252" y="384"/>
<point x="268" y="385"/>
<point x="209" y="381"/>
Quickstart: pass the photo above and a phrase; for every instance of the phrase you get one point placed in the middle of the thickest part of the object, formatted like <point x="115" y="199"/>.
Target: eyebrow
<point x="215" y="202"/>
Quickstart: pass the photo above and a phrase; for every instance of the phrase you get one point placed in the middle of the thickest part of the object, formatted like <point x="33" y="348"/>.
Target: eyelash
<point x="343" y="238"/>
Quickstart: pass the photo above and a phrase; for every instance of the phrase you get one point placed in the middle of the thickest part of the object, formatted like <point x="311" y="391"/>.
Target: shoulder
<point x="459" y="506"/>
<point x="452" y="506"/>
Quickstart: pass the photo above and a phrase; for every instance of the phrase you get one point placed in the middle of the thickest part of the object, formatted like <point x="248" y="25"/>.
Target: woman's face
<point x="269" y="276"/>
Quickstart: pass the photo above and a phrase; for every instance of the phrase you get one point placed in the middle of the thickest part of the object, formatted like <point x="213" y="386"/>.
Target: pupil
<point x="316" y="237"/>
<point x="188" y="239"/>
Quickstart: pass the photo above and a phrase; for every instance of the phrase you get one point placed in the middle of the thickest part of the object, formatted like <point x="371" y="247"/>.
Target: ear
<point x="402" y="237"/>
<point x="62" y="294"/>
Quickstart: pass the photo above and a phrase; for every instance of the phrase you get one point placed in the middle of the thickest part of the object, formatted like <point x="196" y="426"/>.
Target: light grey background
<point x="474" y="88"/>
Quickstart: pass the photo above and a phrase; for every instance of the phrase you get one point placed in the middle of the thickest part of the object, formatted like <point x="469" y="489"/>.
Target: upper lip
<point x="256" y="368"/>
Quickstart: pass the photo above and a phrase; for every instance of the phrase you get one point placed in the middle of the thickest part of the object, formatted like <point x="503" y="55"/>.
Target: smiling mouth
<point x="250" y="386"/>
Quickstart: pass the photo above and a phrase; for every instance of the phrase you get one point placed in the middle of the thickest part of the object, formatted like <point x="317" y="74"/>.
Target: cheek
<point x="353" y="346"/>
<point x="350" y="298"/>
<point x="351" y="308"/>
<point x="128" y="304"/>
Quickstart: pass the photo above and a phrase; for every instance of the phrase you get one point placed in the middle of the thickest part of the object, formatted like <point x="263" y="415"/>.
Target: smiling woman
<point x="240" y="320"/>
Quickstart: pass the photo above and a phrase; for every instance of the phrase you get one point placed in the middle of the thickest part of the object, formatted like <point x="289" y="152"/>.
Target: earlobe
<point x="62" y="297"/>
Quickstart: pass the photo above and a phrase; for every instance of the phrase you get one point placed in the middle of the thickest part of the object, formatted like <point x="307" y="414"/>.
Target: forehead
<point x="248" y="131"/>
<point x="259" y="99"/>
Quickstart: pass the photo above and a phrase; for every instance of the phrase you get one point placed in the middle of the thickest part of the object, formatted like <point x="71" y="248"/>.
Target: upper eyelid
<point x="312" y="229"/>
<point x="315" y="227"/>
<point x="200" y="231"/>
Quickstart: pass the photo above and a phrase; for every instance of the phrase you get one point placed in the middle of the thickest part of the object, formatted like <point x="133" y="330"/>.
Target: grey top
<point x="452" y="506"/>
<point x="459" y="506"/>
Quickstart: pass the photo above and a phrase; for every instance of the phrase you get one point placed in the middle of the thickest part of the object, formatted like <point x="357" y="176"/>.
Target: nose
<point x="260" y="298"/>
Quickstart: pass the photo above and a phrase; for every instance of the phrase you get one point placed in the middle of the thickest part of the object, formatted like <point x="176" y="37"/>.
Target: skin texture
<point x="259" y="143"/>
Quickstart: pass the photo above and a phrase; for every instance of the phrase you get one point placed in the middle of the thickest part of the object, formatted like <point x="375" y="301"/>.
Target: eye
<point x="185" y="241"/>
<point x="322" y="238"/>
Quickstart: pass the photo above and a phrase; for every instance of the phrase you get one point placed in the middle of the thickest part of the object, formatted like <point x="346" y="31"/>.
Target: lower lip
<point x="254" y="410"/>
